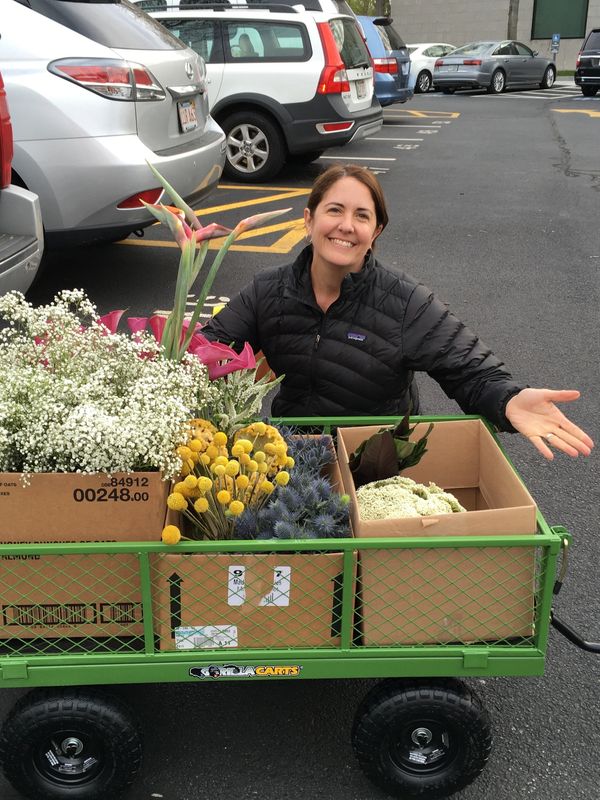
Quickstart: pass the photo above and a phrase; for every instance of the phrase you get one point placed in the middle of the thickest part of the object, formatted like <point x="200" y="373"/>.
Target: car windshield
<point x="118" y="25"/>
<point x="473" y="49"/>
<point x="593" y="42"/>
<point x="412" y="49"/>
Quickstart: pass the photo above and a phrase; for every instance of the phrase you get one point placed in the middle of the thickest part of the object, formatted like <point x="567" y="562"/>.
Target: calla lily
<point x="137" y="324"/>
<point x="111" y="320"/>
<point x="221" y="359"/>
<point x="157" y="325"/>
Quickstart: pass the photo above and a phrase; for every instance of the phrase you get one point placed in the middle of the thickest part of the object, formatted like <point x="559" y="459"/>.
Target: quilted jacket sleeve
<point x="236" y="323"/>
<point x="437" y="342"/>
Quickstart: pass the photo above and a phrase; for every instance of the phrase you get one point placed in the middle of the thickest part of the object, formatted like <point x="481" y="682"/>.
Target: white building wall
<point x="461" y="21"/>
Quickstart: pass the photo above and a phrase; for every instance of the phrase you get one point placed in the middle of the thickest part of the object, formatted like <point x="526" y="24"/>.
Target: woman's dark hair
<point x="334" y="173"/>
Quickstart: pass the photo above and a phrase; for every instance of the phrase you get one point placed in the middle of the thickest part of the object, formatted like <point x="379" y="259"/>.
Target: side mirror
<point x="536" y="52"/>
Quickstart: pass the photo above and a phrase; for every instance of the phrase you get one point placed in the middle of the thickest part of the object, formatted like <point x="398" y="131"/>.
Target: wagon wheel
<point x="74" y="744"/>
<point x="423" y="739"/>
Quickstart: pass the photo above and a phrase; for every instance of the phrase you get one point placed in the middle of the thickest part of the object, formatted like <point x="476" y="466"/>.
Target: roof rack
<point x="254" y="5"/>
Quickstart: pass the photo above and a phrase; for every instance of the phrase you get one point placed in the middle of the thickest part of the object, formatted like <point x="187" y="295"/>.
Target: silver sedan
<point x="493" y="66"/>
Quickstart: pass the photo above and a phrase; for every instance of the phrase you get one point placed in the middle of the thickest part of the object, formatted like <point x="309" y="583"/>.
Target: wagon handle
<point x="562" y="627"/>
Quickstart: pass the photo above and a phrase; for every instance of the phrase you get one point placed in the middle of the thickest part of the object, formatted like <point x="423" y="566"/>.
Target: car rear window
<point x="390" y="37"/>
<point x="593" y="41"/>
<point x="473" y="49"/>
<point x="119" y="25"/>
<point x="350" y="43"/>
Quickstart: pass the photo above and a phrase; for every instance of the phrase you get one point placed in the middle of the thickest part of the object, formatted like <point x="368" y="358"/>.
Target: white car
<point x="96" y="91"/>
<point x="422" y="61"/>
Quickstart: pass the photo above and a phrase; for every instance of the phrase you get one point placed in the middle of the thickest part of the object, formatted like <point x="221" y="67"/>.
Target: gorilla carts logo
<point x="246" y="671"/>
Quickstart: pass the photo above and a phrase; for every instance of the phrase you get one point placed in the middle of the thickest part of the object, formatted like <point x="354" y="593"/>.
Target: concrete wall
<point x="461" y="21"/>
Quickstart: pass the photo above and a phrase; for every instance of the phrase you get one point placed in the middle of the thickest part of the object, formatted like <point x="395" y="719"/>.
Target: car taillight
<point x="385" y="65"/>
<point x="334" y="79"/>
<point x="117" y="80"/>
<point x="6" y="139"/>
<point x="472" y="62"/>
<point x="439" y="62"/>
<point x="578" y="60"/>
<point x="150" y="196"/>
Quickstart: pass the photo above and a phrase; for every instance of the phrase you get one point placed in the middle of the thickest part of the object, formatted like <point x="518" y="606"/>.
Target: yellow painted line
<point x="425" y="114"/>
<point x="284" y="195"/>
<point x="577" y="111"/>
<point x="294" y="233"/>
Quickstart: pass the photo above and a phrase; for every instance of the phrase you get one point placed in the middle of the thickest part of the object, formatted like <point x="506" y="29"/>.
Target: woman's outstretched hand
<point x="534" y="414"/>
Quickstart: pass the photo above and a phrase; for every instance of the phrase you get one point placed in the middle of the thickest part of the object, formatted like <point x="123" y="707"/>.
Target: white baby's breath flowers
<point x="399" y="497"/>
<point x="76" y="398"/>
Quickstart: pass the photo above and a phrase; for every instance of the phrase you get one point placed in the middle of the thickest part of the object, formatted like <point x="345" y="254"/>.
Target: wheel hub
<point x="71" y="746"/>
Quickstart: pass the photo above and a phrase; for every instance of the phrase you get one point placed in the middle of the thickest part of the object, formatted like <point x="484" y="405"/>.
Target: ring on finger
<point x="548" y="436"/>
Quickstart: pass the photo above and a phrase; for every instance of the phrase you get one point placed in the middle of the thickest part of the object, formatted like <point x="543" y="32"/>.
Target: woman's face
<point x="344" y="226"/>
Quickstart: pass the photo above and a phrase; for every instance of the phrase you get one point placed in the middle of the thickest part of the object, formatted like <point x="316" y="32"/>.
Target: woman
<point x="348" y="334"/>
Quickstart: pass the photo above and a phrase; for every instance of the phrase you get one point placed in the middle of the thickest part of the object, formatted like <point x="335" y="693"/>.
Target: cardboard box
<point x="76" y="595"/>
<point x="248" y="600"/>
<point x="82" y="508"/>
<point x="439" y="596"/>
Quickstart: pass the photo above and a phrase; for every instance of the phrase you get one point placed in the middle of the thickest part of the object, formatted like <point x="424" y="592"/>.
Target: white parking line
<point x="359" y="158"/>
<point x="423" y="125"/>
<point x="390" y="139"/>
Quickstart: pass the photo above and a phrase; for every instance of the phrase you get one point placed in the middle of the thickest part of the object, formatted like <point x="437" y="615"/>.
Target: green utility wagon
<point x="418" y="613"/>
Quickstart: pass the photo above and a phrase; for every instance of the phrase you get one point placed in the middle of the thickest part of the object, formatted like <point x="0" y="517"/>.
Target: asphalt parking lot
<point x="493" y="201"/>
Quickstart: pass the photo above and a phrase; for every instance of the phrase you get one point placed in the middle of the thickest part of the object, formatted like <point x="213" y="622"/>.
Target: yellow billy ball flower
<point x="242" y="482"/>
<point x="282" y="478"/>
<point x="176" y="502"/>
<point x="281" y="450"/>
<point x="236" y="507"/>
<point x="205" y="484"/>
<point x="262" y="468"/>
<point x="289" y="462"/>
<point x="245" y="459"/>
<point x="260" y="428"/>
<point x="219" y="470"/>
<point x="184" y="452"/>
<point x="196" y="445"/>
<point x="220" y="439"/>
<point x="267" y="487"/>
<point x="191" y="481"/>
<point x="205" y="459"/>
<point x="211" y="451"/>
<point x="223" y="460"/>
<point x="259" y="456"/>
<point x="201" y="505"/>
<point x="246" y="444"/>
<point x="181" y="488"/>
<point x="269" y="449"/>
<point x="252" y="466"/>
<point x="232" y="468"/>
<point x="185" y="470"/>
<point x="224" y="497"/>
<point x="171" y="534"/>
<point x="237" y="450"/>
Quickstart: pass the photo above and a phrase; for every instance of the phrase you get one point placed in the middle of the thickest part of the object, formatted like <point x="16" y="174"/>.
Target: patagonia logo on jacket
<point x="356" y="337"/>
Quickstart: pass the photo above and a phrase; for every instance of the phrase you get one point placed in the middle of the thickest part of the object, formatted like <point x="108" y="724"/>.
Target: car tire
<point x="255" y="147"/>
<point x="548" y="79"/>
<point x="589" y="91"/>
<point x="423" y="82"/>
<point x="498" y="82"/>
<point x="448" y="91"/>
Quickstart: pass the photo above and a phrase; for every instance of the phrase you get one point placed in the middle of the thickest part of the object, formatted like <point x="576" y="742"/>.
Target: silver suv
<point x="284" y="83"/>
<point x="96" y="90"/>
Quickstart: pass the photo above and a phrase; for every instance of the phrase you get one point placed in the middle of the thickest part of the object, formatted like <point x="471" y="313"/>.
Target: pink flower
<point x="183" y="231"/>
<point x="111" y="320"/>
<point x="137" y="324"/>
<point x="219" y="358"/>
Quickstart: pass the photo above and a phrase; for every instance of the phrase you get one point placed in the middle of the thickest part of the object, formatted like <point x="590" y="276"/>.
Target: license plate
<point x="452" y="67"/>
<point x="406" y="67"/>
<point x="188" y="120"/>
<point x="361" y="89"/>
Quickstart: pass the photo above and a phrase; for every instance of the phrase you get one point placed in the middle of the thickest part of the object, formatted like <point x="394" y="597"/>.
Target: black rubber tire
<point x="495" y="86"/>
<point x="44" y="725"/>
<point x="448" y="91"/>
<point x="424" y="739"/>
<point x="589" y="91"/>
<point x="265" y="140"/>
<point x="548" y="79"/>
<point x="423" y="82"/>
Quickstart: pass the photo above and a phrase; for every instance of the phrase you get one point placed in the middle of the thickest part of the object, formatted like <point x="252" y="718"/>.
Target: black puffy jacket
<point x="359" y="357"/>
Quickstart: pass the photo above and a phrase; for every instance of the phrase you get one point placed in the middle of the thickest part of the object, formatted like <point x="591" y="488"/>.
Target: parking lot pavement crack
<point x="565" y="164"/>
